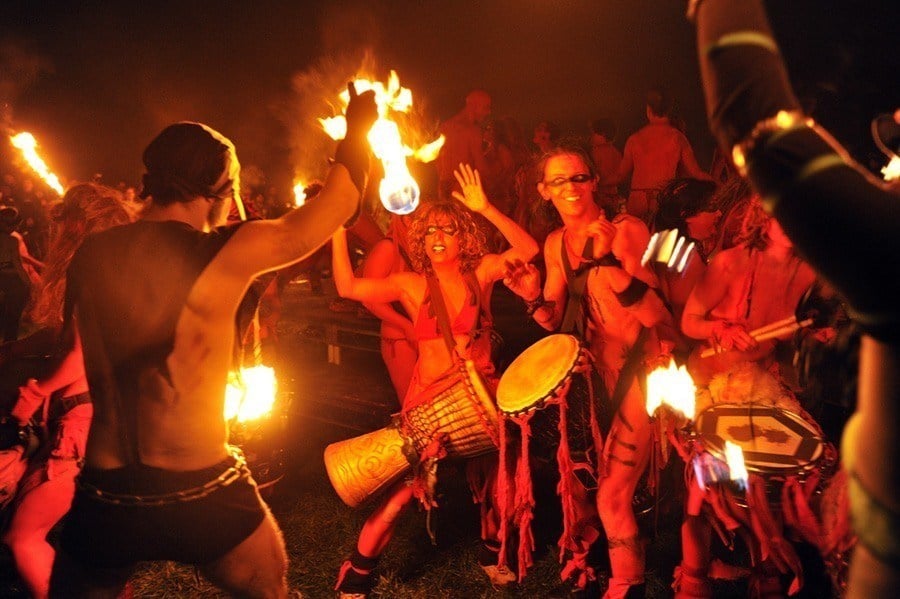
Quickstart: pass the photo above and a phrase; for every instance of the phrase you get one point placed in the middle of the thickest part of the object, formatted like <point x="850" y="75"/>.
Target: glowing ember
<point x="734" y="457"/>
<point x="398" y="190"/>
<point x="672" y="386"/>
<point x="250" y="394"/>
<point x="299" y="194"/>
<point x="26" y="143"/>
<point x="891" y="172"/>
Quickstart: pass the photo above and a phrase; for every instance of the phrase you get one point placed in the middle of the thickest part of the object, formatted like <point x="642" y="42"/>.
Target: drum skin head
<point x="537" y="372"/>
<point x="774" y="440"/>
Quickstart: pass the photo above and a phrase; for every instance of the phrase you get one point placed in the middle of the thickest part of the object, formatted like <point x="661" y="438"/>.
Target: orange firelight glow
<point x="386" y="139"/>
<point x="299" y="194"/>
<point x="891" y="172"/>
<point x="672" y="386"/>
<point x="250" y="394"/>
<point x="27" y="144"/>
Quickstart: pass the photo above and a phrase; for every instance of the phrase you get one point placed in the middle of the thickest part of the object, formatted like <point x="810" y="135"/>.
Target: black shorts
<point x="100" y="534"/>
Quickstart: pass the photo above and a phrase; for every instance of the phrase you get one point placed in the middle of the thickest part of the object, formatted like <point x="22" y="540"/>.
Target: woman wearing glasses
<point x="444" y="245"/>
<point x="597" y="290"/>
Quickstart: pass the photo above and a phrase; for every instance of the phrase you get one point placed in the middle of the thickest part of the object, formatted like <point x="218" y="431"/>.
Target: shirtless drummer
<point x="615" y="313"/>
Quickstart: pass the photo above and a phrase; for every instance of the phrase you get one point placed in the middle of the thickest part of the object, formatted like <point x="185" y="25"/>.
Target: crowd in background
<point x="649" y="181"/>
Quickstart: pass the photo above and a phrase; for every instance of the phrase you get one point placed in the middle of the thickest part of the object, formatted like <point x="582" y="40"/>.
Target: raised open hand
<point x="472" y="195"/>
<point x="523" y="279"/>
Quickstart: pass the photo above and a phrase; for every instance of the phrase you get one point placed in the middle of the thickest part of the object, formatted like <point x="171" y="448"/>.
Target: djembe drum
<point x="541" y="383"/>
<point x="546" y="392"/>
<point x="459" y="420"/>
<point x="788" y="461"/>
<point x="776" y="442"/>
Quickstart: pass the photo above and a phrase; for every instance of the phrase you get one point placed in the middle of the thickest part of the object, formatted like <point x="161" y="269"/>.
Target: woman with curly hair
<point x="445" y="246"/>
<point x="48" y="485"/>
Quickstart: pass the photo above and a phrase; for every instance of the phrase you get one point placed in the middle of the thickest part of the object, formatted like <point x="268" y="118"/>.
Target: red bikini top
<point x="426" y="325"/>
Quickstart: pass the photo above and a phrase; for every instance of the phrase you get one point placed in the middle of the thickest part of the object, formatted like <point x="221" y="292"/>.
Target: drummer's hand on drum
<point x="523" y="279"/>
<point x="603" y="232"/>
<point x="472" y="196"/>
<point x="727" y="336"/>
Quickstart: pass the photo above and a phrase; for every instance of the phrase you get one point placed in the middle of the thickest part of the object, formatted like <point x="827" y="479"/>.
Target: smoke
<point x="350" y="34"/>
<point x="314" y="95"/>
<point x="20" y="68"/>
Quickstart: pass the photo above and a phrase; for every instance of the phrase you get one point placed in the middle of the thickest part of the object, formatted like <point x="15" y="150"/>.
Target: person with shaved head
<point x="464" y="141"/>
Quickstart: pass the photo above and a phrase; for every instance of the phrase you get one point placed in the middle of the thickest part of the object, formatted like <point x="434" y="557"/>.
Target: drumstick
<point x="773" y="325"/>
<point x="770" y="331"/>
<point x="784" y="330"/>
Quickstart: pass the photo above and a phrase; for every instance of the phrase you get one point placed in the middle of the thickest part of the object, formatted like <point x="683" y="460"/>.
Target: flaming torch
<point x="891" y="172"/>
<point x="398" y="190"/>
<point x="299" y="194"/>
<point x="672" y="386"/>
<point x="249" y="404"/>
<point x="27" y="144"/>
<point x="671" y="404"/>
<point x="250" y="393"/>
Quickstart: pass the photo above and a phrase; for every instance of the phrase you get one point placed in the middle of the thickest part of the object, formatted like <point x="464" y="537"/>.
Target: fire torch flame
<point x="891" y="172"/>
<point x="398" y="190"/>
<point x="672" y="386"/>
<point x="734" y="457"/>
<point x="429" y="152"/>
<point x="27" y="144"/>
<point x="299" y="194"/>
<point x="251" y="394"/>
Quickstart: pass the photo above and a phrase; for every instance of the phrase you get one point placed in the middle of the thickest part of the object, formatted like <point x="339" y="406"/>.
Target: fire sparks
<point x="891" y="172"/>
<point x="250" y="394"/>
<point x="299" y="194"/>
<point x="672" y="386"/>
<point x="26" y="143"/>
<point x="734" y="457"/>
<point x="398" y="190"/>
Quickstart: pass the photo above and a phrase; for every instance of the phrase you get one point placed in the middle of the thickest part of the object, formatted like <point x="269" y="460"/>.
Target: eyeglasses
<point x="560" y="181"/>
<point x="446" y="229"/>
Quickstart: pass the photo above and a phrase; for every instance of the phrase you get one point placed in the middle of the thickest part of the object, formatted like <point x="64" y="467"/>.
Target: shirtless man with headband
<point x="154" y="303"/>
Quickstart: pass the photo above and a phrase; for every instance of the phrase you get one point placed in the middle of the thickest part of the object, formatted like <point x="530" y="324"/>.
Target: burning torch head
<point x="188" y="160"/>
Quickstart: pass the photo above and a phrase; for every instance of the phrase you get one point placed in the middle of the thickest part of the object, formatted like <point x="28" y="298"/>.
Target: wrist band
<point x="633" y="293"/>
<point x="534" y="305"/>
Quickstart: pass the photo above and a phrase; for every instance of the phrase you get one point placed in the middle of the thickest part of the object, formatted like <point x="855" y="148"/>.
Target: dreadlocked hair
<point x="755" y="226"/>
<point x="86" y="208"/>
<point x="472" y="240"/>
<point x="731" y="200"/>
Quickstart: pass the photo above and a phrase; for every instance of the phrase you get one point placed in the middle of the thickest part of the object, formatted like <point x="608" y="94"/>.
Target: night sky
<point x="94" y="81"/>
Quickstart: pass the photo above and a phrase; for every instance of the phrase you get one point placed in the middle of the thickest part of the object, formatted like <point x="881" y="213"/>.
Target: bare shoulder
<point x="412" y="283"/>
<point x="729" y="262"/>
<point x="553" y="243"/>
